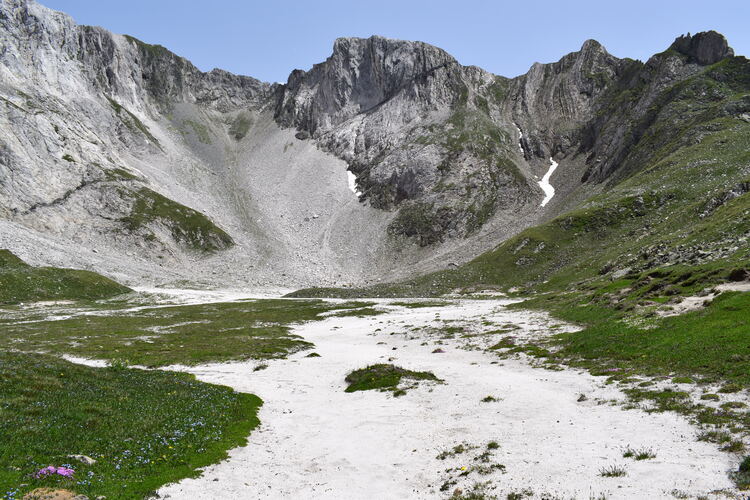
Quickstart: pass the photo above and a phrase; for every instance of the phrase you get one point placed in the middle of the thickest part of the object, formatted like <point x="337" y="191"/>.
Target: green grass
<point x="459" y="449"/>
<point x="383" y="377"/>
<point x="159" y="336"/>
<point x="641" y="454"/>
<point x="711" y="342"/>
<point x="742" y="476"/>
<point x="8" y="259"/>
<point x="119" y="174"/>
<point x="20" y="282"/>
<point x="143" y="428"/>
<point x="187" y="226"/>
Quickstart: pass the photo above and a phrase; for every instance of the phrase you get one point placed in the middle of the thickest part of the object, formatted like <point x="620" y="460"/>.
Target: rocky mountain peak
<point x="705" y="48"/>
<point x="592" y="47"/>
<point x="360" y="74"/>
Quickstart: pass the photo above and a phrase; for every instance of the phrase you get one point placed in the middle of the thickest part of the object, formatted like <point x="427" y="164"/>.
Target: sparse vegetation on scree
<point x="187" y="226"/>
<point x="142" y="428"/>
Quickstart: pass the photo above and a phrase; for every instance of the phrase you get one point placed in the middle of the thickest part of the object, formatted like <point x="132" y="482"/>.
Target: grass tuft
<point x="612" y="471"/>
<point x="640" y="454"/>
<point x="383" y="377"/>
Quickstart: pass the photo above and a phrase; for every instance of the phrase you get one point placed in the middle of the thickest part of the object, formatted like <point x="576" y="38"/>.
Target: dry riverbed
<point x="496" y="426"/>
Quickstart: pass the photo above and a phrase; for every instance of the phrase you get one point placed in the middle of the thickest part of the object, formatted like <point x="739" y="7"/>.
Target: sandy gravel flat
<point x="318" y="442"/>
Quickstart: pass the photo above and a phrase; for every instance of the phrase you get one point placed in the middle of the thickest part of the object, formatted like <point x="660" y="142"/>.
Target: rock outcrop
<point x="704" y="48"/>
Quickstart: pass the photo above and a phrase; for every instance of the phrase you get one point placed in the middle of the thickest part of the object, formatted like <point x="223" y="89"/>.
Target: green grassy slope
<point x="187" y="226"/>
<point x="143" y="428"/>
<point x="20" y="282"/>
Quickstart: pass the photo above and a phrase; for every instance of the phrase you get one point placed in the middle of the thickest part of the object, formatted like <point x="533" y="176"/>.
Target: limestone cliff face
<point x="361" y="75"/>
<point x="130" y="147"/>
<point x="78" y="101"/>
<point x="416" y="129"/>
<point x="89" y="155"/>
<point x="704" y="48"/>
<point x="552" y="101"/>
<point x="449" y="146"/>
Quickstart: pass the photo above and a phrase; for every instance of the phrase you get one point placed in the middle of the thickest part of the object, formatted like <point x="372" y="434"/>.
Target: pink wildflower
<point x="51" y="469"/>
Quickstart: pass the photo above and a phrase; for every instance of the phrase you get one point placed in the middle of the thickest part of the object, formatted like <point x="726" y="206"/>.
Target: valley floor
<point x="535" y="437"/>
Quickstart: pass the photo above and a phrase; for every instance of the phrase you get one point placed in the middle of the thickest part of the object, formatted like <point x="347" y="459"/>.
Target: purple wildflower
<point x="51" y="469"/>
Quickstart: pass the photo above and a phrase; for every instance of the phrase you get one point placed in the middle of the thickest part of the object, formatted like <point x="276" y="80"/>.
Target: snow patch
<point x="353" y="182"/>
<point x="520" y="138"/>
<point x="549" y="191"/>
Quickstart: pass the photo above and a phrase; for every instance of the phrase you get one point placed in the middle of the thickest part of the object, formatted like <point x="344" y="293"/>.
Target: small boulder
<point x="739" y="275"/>
<point x="438" y="351"/>
<point x="83" y="459"/>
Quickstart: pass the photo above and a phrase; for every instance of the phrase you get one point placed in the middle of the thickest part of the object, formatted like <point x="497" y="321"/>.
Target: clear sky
<point x="267" y="39"/>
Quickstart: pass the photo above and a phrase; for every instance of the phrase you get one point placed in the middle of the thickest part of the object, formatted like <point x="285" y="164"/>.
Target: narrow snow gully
<point x="353" y="183"/>
<point x="520" y="139"/>
<point x="549" y="191"/>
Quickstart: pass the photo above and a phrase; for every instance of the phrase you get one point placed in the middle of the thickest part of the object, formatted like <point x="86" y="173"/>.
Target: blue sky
<point x="267" y="39"/>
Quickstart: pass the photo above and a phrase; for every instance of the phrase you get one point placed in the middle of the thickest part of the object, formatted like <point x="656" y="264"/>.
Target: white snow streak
<point x="549" y="191"/>
<point x="520" y="138"/>
<point x="353" y="182"/>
